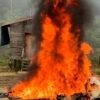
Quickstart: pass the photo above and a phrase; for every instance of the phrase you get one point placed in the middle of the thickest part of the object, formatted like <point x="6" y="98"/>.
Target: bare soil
<point x="8" y="79"/>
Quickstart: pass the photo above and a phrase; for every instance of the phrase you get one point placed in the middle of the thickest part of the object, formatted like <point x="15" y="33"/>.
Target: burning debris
<point x="95" y="85"/>
<point x="63" y="64"/>
<point x="61" y="97"/>
<point x="78" y="96"/>
<point x="3" y="95"/>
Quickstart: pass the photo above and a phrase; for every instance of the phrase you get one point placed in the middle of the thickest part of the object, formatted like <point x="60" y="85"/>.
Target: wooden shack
<point x="18" y="34"/>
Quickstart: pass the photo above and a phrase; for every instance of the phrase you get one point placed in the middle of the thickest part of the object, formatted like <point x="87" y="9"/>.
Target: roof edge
<point x="16" y="21"/>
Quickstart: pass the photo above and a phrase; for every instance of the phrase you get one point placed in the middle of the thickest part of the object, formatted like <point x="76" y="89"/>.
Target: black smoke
<point x="81" y="15"/>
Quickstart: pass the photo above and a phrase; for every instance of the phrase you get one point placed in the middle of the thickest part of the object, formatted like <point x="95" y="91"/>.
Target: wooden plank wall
<point x="17" y="40"/>
<point x="28" y="26"/>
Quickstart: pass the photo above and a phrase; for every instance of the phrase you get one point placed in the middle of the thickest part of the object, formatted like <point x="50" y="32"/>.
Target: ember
<point x="62" y="60"/>
<point x="80" y="96"/>
<point x="61" y="97"/>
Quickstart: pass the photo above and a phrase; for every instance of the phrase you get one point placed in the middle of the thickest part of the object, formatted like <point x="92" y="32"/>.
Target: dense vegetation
<point x="92" y="37"/>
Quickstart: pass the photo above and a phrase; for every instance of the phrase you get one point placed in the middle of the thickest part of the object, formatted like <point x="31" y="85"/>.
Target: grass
<point x="98" y="72"/>
<point x="3" y="62"/>
<point x="94" y="61"/>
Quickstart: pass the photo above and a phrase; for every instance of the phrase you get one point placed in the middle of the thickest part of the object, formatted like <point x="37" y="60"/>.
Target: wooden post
<point x="17" y="41"/>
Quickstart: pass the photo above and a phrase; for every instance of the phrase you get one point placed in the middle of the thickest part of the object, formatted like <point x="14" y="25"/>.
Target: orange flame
<point x="63" y="63"/>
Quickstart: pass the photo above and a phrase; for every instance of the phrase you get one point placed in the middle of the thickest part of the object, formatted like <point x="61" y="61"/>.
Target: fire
<point x="63" y="61"/>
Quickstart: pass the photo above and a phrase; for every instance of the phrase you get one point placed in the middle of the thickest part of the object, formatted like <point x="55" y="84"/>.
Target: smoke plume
<point x="82" y="15"/>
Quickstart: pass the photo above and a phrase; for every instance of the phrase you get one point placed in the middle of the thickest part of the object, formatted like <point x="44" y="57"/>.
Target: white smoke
<point x="95" y="6"/>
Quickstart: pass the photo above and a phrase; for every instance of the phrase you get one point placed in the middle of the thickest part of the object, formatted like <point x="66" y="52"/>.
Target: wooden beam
<point x="17" y="21"/>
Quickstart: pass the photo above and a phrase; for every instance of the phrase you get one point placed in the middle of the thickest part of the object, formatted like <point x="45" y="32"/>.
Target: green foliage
<point x="98" y="72"/>
<point x="3" y="62"/>
<point x="4" y="59"/>
<point x="92" y="36"/>
<point x="4" y="55"/>
<point x="94" y="61"/>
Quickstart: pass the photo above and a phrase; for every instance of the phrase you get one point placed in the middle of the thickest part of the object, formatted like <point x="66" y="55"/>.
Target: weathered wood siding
<point x="29" y="47"/>
<point x="28" y="26"/>
<point x="17" y="40"/>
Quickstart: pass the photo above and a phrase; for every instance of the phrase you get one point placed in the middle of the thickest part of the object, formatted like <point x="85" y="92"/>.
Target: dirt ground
<point x="8" y="79"/>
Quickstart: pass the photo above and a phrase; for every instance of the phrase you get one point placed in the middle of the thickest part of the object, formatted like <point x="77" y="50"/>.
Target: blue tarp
<point x="5" y="39"/>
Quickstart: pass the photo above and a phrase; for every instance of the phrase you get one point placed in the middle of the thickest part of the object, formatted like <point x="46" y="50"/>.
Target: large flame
<point x="63" y="63"/>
